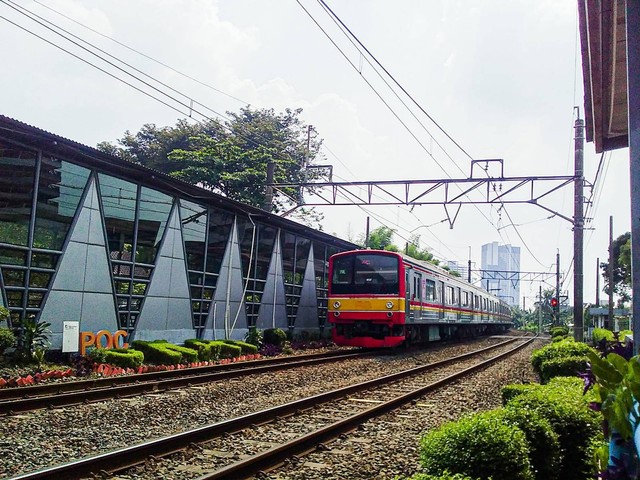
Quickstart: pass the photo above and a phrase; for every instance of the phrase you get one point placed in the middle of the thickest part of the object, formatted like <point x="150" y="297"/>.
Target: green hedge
<point x="563" y="367"/>
<point x="189" y="355"/>
<point x="559" y="331"/>
<point x="562" y="404"/>
<point x="245" y="348"/>
<point x="565" y="348"/>
<point x="157" y="352"/>
<point x="512" y="391"/>
<point x="544" y="446"/>
<point x="123" y="357"/>
<point x="478" y="446"/>
<point x="204" y="348"/>
<point x="226" y="350"/>
<point x="274" y="336"/>
<point x="444" y="476"/>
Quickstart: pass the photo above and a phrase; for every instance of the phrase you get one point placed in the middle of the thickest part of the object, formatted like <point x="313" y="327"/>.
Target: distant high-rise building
<point x="500" y="271"/>
<point x="454" y="266"/>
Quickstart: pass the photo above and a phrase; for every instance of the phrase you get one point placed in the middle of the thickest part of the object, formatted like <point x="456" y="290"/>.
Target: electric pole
<point x="556" y="307"/>
<point x="578" y="234"/>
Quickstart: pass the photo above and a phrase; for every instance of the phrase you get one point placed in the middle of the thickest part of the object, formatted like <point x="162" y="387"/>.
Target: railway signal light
<point x="554" y="302"/>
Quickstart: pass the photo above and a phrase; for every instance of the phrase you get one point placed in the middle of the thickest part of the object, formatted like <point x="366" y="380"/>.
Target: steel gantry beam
<point x="494" y="190"/>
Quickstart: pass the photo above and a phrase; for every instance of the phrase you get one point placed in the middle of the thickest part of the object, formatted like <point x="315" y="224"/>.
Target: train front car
<point x="366" y="298"/>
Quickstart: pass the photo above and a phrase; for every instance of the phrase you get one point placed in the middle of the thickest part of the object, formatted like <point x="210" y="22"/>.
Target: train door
<point x="458" y="303"/>
<point x="419" y="296"/>
<point x="442" y="301"/>
<point x="407" y="294"/>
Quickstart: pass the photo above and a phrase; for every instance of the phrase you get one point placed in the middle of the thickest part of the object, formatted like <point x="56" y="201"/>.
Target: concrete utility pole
<point x="366" y="235"/>
<point x="556" y="309"/>
<point x="578" y="233"/>
<point x="268" y="195"/>
<point x="598" y="282"/>
<point x="540" y="311"/>
<point x="609" y="322"/>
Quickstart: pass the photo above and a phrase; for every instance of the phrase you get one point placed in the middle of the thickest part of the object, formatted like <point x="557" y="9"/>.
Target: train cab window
<point x="430" y="290"/>
<point x="365" y="273"/>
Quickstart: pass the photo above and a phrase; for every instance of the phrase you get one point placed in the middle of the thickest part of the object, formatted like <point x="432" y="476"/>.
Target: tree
<point x="379" y="239"/>
<point x="231" y="157"/>
<point x="621" y="255"/>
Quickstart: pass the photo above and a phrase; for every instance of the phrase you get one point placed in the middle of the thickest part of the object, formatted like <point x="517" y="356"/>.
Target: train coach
<point x="383" y="299"/>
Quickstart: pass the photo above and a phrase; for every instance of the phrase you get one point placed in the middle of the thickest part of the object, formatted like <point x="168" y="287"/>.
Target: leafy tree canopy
<point x="230" y="157"/>
<point x="381" y="238"/>
<point x="621" y="255"/>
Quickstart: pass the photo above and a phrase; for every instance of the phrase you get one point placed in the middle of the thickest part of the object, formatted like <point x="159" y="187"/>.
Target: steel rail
<point x="95" y="390"/>
<point x="128" y="457"/>
<point x="275" y="456"/>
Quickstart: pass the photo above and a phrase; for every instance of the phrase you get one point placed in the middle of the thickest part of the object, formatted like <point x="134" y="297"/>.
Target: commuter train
<point x="384" y="299"/>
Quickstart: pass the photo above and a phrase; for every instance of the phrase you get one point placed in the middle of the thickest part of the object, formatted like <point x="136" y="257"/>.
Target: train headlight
<point x="389" y="304"/>
<point x="336" y="304"/>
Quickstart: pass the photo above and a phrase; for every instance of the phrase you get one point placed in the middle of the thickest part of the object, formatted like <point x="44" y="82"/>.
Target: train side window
<point x="465" y="299"/>
<point x="430" y="290"/>
<point x="449" y="296"/>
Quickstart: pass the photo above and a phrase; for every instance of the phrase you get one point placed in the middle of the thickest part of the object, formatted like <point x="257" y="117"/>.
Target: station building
<point x="91" y="238"/>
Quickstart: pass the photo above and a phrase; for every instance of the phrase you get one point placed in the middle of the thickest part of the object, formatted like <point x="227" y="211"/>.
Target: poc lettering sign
<point x="102" y="339"/>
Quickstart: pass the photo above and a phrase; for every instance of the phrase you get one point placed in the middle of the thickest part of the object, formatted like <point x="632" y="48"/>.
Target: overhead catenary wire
<point x="343" y="27"/>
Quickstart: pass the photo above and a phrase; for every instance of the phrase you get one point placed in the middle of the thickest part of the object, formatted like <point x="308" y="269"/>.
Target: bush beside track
<point x="543" y="431"/>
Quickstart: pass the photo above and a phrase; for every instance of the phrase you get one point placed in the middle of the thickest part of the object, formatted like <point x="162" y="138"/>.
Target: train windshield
<point x="365" y="274"/>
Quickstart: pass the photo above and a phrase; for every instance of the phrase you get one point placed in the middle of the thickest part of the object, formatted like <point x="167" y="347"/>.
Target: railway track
<point x="14" y="400"/>
<point x="273" y="435"/>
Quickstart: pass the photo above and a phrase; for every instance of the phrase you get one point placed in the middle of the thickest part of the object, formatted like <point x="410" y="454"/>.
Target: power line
<point x="204" y="84"/>
<point x="332" y="13"/>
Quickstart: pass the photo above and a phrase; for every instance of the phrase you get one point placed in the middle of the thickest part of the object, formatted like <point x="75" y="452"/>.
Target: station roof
<point x="56" y="145"/>
<point x="604" y="66"/>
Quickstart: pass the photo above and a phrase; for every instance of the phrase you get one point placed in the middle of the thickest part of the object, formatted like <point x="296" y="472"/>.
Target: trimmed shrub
<point x="560" y="338"/>
<point x="274" y="336"/>
<point x="245" y="348"/>
<point x="7" y="339"/>
<point x="443" y="476"/>
<point x="227" y="350"/>
<point x="562" y="331"/>
<point x="123" y="357"/>
<point x="478" y="446"/>
<point x="188" y="354"/>
<point x="512" y="391"/>
<point x="544" y="447"/>
<point x="203" y="348"/>
<point x="565" y="348"/>
<point x="157" y="352"/>
<point x="600" y="334"/>
<point x="562" y="404"/>
<point x="563" y="367"/>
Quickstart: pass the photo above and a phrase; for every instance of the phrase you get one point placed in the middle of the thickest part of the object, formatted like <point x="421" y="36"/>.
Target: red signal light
<point x="554" y="302"/>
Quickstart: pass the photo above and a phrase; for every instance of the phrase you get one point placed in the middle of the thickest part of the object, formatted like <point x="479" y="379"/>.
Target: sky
<point x="500" y="77"/>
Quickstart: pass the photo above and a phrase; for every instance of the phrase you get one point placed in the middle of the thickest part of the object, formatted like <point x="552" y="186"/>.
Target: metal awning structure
<point x="610" y="39"/>
<point x="604" y="67"/>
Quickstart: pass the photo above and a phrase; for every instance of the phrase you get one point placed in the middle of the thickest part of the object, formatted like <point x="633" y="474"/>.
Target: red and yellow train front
<point x="366" y="298"/>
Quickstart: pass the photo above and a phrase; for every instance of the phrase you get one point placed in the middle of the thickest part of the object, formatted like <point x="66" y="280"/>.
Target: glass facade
<point x="30" y="245"/>
<point x="41" y="196"/>
<point x="256" y="246"/>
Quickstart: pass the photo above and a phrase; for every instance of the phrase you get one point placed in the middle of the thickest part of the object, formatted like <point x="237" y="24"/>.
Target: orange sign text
<point x="102" y="339"/>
